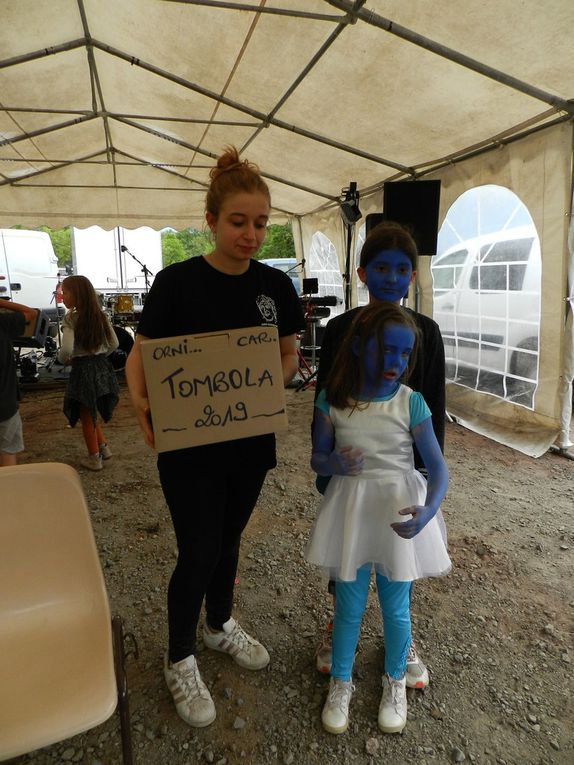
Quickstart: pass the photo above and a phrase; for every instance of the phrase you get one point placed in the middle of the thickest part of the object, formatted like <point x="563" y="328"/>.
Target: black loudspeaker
<point x="415" y="205"/>
<point x="34" y="335"/>
<point x="310" y="286"/>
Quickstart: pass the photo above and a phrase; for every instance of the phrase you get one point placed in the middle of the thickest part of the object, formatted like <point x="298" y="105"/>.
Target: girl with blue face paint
<point x="388" y="275"/>
<point x="378" y="511"/>
<point x="388" y="265"/>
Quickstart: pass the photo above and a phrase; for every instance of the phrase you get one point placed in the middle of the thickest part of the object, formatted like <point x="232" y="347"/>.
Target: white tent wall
<point x="564" y="439"/>
<point x="538" y="169"/>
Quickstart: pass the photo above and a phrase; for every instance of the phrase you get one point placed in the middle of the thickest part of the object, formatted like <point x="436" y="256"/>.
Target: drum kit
<point x="121" y="310"/>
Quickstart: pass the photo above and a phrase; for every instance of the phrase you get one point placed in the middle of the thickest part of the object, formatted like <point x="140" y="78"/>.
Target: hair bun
<point x="229" y="161"/>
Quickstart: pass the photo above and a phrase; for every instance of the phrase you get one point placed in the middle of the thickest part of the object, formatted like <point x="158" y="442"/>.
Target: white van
<point x="486" y="294"/>
<point x="288" y="266"/>
<point x="29" y="270"/>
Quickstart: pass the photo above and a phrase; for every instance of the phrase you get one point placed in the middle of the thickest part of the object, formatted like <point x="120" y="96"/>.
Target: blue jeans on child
<point x="394" y="599"/>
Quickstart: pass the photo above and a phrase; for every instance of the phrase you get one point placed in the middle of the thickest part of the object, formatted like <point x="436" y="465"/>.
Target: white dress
<point x="353" y="523"/>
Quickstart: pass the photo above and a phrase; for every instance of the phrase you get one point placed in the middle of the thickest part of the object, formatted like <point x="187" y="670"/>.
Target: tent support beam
<point x="262" y="118"/>
<point x="301" y="76"/>
<point x="20" y="181"/>
<point x="42" y="53"/>
<point x="258" y="9"/>
<point x="210" y="154"/>
<point x="45" y="131"/>
<point x="202" y="184"/>
<point x="431" y="167"/>
<point x="133" y="61"/>
<point x="97" y="94"/>
<point x="156" y="118"/>
<point x="369" y="17"/>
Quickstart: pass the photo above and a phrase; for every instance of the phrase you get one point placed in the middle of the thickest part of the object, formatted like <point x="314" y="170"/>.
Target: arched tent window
<point x="486" y="294"/>
<point x="324" y="266"/>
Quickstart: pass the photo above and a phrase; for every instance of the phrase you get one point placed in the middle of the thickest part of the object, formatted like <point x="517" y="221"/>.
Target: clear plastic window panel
<point x="486" y="294"/>
<point x="324" y="266"/>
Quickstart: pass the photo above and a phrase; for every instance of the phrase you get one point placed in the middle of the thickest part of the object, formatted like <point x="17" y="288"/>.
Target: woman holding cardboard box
<point x="211" y="490"/>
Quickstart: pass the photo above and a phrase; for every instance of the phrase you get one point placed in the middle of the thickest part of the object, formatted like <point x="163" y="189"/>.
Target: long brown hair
<point x="91" y="328"/>
<point x="347" y="376"/>
<point x="233" y="175"/>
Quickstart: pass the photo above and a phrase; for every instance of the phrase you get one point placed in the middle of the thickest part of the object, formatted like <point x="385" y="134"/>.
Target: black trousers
<point x="209" y="511"/>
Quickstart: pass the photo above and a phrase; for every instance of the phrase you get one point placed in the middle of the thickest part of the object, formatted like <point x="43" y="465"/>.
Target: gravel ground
<point x="496" y="633"/>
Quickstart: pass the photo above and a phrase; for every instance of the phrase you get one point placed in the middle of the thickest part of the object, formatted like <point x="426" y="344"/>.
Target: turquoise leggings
<point x="350" y="604"/>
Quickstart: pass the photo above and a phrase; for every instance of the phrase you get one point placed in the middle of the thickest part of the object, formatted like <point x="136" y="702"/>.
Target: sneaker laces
<point x="412" y="656"/>
<point x="340" y="694"/>
<point x="395" y="688"/>
<point x="191" y="681"/>
<point x="240" y="638"/>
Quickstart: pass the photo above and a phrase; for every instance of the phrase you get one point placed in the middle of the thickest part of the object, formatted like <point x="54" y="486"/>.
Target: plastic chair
<point x="58" y="676"/>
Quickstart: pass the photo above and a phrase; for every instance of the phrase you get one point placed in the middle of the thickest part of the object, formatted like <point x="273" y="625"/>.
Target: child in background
<point x="365" y="425"/>
<point x="87" y="339"/>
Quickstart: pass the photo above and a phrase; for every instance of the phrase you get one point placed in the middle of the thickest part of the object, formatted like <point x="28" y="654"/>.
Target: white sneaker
<point x="192" y="699"/>
<point x="105" y="452"/>
<point x="245" y="650"/>
<point x="417" y="674"/>
<point x="92" y="462"/>
<point x="393" y="706"/>
<point x="335" y="714"/>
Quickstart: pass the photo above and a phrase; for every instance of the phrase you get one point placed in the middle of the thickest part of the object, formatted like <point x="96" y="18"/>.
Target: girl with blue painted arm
<point x="378" y="511"/>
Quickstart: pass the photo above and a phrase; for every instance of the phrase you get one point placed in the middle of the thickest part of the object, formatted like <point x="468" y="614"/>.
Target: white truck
<point x="121" y="264"/>
<point x="29" y="270"/>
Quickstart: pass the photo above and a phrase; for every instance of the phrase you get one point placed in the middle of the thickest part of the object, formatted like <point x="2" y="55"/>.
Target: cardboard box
<point x="216" y="386"/>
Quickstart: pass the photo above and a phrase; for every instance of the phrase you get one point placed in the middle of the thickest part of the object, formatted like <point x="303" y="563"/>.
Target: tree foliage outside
<point x="181" y="245"/>
<point x="278" y="243"/>
<point x="62" y="244"/>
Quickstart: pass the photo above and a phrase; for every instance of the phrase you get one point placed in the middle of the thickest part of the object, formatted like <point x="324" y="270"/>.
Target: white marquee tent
<point x="111" y="113"/>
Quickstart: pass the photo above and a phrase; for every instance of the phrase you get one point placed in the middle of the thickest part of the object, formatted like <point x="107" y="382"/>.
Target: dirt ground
<point x="496" y="633"/>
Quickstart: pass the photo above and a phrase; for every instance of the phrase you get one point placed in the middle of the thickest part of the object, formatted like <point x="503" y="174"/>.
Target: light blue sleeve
<point x="322" y="404"/>
<point x="418" y="409"/>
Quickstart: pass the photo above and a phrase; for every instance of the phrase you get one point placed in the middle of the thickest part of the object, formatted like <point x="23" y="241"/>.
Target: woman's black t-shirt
<point x="193" y="297"/>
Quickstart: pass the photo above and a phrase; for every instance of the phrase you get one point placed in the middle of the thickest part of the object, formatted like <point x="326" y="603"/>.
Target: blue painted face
<point x="388" y="275"/>
<point x="398" y="343"/>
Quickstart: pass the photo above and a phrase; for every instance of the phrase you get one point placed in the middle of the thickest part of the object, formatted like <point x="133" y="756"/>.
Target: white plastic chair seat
<point x="56" y="656"/>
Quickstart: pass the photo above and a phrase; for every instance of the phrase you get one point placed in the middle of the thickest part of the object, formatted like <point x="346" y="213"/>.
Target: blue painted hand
<point x="420" y="516"/>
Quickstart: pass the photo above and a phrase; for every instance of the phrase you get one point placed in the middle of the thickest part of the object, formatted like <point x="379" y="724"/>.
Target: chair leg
<point x="122" y="686"/>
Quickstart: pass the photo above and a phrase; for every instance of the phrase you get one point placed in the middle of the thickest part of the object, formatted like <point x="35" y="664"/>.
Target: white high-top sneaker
<point x="393" y="706"/>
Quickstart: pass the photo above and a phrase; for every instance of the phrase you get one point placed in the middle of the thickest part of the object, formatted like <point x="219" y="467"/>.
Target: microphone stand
<point x="145" y="270"/>
<point x="300" y="265"/>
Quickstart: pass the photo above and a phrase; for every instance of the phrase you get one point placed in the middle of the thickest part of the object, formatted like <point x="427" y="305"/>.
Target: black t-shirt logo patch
<point x="267" y="309"/>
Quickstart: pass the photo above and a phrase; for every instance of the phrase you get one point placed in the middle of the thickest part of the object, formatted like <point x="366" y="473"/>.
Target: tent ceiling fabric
<point x="113" y="113"/>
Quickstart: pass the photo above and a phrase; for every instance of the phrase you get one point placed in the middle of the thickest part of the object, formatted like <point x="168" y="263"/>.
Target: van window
<point x="447" y="271"/>
<point x="502" y="267"/>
